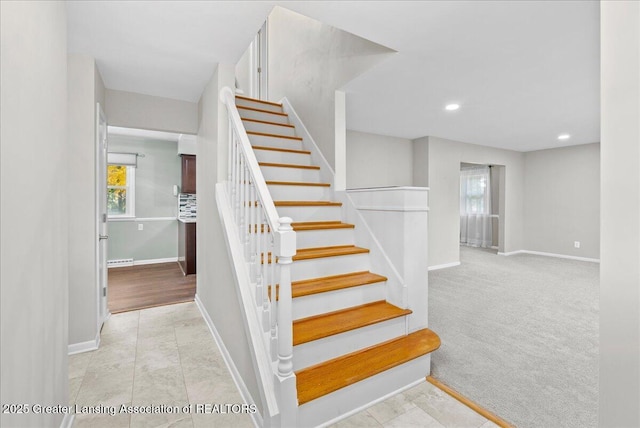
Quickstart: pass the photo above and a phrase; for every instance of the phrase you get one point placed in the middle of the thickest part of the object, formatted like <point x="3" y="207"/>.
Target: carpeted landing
<point x="519" y="336"/>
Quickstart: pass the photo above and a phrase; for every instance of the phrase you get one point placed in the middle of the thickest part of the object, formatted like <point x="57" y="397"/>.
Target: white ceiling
<point x="523" y="72"/>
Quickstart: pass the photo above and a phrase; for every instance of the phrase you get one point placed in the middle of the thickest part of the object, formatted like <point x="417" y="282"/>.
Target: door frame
<point x="101" y="144"/>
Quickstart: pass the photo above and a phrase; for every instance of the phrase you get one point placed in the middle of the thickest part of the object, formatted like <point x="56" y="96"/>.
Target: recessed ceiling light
<point x="563" y="137"/>
<point x="452" y="107"/>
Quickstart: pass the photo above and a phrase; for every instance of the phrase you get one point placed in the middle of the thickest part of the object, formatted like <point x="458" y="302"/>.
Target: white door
<point x="262" y="62"/>
<point x="101" y="209"/>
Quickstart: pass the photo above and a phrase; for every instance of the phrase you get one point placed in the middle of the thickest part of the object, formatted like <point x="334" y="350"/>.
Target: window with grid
<point x="120" y="191"/>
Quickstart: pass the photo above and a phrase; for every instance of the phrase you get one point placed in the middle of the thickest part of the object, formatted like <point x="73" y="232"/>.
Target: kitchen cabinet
<point x="188" y="174"/>
<point x="187" y="246"/>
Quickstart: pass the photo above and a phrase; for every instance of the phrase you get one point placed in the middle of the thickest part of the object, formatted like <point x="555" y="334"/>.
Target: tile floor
<point x="166" y="355"/>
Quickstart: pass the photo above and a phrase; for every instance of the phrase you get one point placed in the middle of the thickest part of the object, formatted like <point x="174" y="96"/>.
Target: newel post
<point x="286" y="249"/>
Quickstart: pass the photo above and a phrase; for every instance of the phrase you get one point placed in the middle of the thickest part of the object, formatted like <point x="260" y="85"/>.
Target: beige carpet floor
<point x="519" y="336"/>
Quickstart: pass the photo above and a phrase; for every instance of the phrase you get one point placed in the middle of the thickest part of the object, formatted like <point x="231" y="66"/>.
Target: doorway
<point x="251" y="69"/>
<point x="143" y="187"/>
<point x="482" y="195"/>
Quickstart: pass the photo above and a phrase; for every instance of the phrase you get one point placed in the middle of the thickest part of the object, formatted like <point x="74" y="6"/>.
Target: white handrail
<point x="269" y="244"/>
<point x="228" y="99"/>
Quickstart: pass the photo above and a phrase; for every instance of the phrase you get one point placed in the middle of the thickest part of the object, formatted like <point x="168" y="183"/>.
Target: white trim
<point x="235" y="374"/>
<point x="558" y="256"/>
<point x="511" y="253"/>
<point x="154" y="261"/>
<point x="131" y="218"/>
<point x="399" y="208"/>
<point x="67" y="421"/>
<point x="376" y="401"/>
<point x="89" y="345"/>
<point x="386" y="189"/>
<point x="444" y="266"/>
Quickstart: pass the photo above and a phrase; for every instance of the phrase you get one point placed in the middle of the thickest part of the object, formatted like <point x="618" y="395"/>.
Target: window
<point x="474" y="191"/>
<point x="121" y="191"/>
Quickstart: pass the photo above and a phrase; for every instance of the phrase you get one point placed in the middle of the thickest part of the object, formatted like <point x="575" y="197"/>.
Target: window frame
<point x="130" y="188"/>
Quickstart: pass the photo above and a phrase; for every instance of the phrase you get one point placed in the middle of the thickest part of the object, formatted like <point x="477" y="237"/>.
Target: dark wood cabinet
<point x="188" y="174"/>
<point x="187" y="247"/>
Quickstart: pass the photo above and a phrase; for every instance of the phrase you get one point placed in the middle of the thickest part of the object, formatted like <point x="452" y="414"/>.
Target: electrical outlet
<point x="576" y="244"/>
<point x="141" y="226"/>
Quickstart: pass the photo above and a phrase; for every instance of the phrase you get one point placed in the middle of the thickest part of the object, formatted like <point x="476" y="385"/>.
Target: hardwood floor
<point x="138" y="287"/>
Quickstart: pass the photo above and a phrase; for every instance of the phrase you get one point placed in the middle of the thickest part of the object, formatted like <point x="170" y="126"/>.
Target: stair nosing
<point x="296" y="183"/>
<point x="298" y="284"/>
<point x="242" y="97"/>
<point x="320" y="225"/>
<point x="266" y="122"/>
<point x="261" y="111"/>
<point x="276" y="149"/>
<point x="289" y="165"/>
<point x="307" y="203"/>
<point x="358" y="250"/>
<point x="266" y="134"/>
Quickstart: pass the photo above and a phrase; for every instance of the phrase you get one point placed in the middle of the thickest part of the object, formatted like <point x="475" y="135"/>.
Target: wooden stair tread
<point x="276" y="149"/>
<point x="307" y="204"/>
<point x="332" y="283"/>
<point x="266" y="122"/>
<point x="297" y="183"/>
<point x="332" y="323"/>
<point x="325" y="284"/>
<point x="329" y="376"/>
<point x="288" y="165"/>
<point x="321" y="252"/>
<point x="261" y="110"/>
<point x="266" y="134"/>
<point x="258" y="101"/>
<point x="320" y="225"/>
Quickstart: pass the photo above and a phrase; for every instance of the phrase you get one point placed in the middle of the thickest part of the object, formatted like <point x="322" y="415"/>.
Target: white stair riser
<point x="324" y="238"/>
<point x="299" y="193"/>
<point x="258" y="115"/>
<point x="315" y="304"/>
<point x="317" y="351"/>
<point x="360" y="394"/>
<point x="273" y="156"/>
<point x="268" y="128"/>
<point x="258" y="105"/>
<point x="327" y="266"/>
<point x="279" y="143"/>
<point x="317" y="213"/>
<point x="278" y="173"/>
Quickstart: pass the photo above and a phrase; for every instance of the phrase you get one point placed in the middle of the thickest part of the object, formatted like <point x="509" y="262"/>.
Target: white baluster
<point x="247" y="213"/>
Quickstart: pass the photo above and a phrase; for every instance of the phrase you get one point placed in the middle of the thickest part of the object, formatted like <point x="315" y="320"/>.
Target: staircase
<point x="351" y="346"/>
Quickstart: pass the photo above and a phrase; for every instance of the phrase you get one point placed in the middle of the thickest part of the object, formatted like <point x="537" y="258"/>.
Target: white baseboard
<point x="89" y="345"/>
<point x="154" y="261"/>
<point x="67" y="421"/>
<point x="559" y="256"/>
<point x="511" y="253"/>
<point x="235" y="374"/>
<point x="145" y="262"/>
<point x="444" y="266"/>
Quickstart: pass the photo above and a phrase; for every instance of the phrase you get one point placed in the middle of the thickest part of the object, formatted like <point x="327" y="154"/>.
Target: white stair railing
<point x="269" y="244"/>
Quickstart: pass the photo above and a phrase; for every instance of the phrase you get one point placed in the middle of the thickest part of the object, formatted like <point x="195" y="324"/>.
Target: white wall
<point x="215" y="281"/>
<point x="308" y="61"/>
<point x="562" y="200"/>
<point x="132" y="110"/>
<point x="377" y="160"/>
<point x="85" y="88"/>
<point x="444" y="158"/>
<point x="243" y="73"/>
<point x="420" y="162"/>
<point x="620" y="215"/>
<point x="34" y="212"/>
